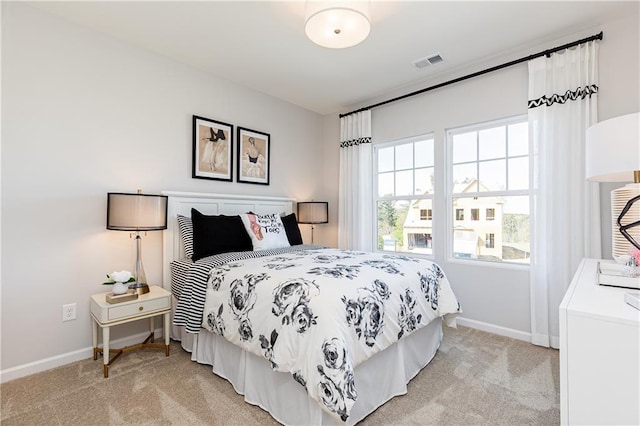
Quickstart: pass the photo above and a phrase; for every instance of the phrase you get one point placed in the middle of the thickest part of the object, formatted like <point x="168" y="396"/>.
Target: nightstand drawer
<point x="138" y="308"/>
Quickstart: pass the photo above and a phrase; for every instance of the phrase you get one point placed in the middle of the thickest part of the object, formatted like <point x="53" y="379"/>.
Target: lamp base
<point x="140" y="288"/>
<point x="619" y="197"/>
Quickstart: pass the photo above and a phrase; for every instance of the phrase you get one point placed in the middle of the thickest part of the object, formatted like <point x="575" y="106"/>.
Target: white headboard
<point x="209" y="204"/>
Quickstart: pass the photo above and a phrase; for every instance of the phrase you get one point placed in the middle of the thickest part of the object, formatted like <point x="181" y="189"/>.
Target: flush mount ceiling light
<point x="337" y="25"/>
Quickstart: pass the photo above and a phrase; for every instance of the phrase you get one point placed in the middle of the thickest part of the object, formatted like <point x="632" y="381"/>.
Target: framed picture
<point x="212" y="149"/>
<point x="253" y="156"/>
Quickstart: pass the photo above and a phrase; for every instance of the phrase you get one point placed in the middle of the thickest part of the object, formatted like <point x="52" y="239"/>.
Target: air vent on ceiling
<point x="428" y="60"/>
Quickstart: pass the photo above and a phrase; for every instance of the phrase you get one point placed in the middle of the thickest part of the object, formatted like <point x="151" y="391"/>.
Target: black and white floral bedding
<point x="319" y="313"/>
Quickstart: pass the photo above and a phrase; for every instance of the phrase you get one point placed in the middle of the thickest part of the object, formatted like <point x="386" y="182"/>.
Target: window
<point x="490" y="214"/>
<point x="489" y="171"/>
<point x="489" y="241"/>
<point x="404" y="195"/>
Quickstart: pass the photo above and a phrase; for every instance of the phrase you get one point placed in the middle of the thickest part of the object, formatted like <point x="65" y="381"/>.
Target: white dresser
<point x="599" y="353"/>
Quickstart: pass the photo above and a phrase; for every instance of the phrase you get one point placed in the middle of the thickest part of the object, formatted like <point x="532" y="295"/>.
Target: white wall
<point x="84" y="114"/>
<point x="494" y="297"/>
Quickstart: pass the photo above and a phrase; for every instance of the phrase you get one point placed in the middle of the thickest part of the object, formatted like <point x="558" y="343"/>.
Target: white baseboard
<point x="495" y="329"/>
<point x="60" y="360"/>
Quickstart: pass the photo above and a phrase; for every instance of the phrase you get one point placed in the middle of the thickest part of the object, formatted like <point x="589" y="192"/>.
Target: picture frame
<point x="253" y="156"/>
<point x="212" y="156"/>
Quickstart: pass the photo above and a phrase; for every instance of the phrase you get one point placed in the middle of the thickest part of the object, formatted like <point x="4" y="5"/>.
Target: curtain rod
<point x="546" y="53"/>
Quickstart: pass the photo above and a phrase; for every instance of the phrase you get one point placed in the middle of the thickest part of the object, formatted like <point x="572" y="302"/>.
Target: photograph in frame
<point x="212" y="149"/>
<point x="253" y="156"/>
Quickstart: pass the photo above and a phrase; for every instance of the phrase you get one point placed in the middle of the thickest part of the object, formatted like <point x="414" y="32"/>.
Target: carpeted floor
<point x="476" y="378"/>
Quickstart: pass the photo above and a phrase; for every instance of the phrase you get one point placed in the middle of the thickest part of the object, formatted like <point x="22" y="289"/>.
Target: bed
<point x="272" y="351"/>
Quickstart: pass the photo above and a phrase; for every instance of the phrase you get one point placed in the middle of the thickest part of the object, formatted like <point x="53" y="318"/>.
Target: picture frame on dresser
<point x="212" y="156"/>
<point x="253" y="156"/>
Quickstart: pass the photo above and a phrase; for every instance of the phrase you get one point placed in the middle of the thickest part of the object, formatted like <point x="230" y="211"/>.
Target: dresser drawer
<point x="138" y="308"/>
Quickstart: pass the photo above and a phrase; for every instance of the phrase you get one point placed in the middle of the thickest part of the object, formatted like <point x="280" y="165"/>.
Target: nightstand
<point x="105" y="315"/>
<point x="599" y="353"/>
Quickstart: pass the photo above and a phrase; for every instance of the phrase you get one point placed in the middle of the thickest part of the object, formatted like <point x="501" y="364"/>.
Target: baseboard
<point x="495" y="329"/>
<point x="63" y="359"/>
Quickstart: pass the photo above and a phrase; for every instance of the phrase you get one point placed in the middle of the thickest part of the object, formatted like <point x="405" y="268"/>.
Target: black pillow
<point x="218" y="234"/>
<point x="291" y="228"/>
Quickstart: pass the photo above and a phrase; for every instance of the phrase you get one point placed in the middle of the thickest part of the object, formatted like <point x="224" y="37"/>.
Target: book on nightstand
<point x="124" y="297"/>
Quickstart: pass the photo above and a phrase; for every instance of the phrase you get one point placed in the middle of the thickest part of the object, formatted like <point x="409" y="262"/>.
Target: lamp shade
<point x="312" y="212"/>
<point x="337" y="25"/>
<point x="613" y="149"/>
<point x="136" y="212"/>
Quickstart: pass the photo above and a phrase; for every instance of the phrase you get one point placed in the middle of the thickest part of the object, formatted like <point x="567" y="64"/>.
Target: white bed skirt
<point x="378" y="379"/>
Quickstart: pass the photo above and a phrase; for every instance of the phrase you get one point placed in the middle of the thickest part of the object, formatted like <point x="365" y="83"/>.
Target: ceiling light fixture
<point x="337" y="25"/>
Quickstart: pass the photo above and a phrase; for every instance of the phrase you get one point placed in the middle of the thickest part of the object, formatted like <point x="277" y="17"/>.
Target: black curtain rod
<point x="547" y="53"/>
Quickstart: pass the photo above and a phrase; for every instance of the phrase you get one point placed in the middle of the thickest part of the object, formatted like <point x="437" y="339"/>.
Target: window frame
<point x="450" y="220"/>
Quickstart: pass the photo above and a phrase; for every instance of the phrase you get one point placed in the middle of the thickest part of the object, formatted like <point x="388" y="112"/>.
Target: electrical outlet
<point x="69" y="312"/>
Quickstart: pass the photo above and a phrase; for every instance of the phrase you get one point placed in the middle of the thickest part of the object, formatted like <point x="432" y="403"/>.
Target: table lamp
<point x="313" y="212"/>
<point x="613" y="155"/>
<point x="135" y="213"/>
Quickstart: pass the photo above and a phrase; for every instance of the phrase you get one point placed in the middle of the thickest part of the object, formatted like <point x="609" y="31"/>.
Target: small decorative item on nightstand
<point x="119" y="298"/>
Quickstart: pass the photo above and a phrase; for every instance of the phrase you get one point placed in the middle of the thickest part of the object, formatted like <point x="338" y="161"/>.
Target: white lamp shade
<point x="613" y="149"/>
<point x="337" y="25"/>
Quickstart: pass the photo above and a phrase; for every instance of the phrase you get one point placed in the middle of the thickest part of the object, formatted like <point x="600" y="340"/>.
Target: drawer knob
<point x="141" y="308"/>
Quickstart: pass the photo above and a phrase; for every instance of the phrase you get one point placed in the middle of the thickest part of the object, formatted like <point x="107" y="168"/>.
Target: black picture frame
<point x="212" y="156"/>
<point x="254" y="156"/>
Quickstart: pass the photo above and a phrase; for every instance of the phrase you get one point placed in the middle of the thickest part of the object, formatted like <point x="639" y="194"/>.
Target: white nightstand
<point x="149" y="305"/>
<point x="599" y="353"/>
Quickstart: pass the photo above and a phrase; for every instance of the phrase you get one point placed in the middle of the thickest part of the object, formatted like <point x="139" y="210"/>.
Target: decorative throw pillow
<point x="266" y="231"/>
<point x="186" y="235"/>
<point x="218" y="234"/>
<point x="290" y="223"/>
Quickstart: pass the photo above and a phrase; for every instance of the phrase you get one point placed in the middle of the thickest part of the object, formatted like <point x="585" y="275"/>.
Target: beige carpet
<point x="476" y="378"/>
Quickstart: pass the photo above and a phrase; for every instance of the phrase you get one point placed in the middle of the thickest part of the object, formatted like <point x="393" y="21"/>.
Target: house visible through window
<point x="404" y="195"/>
<point x="489" y="170"/>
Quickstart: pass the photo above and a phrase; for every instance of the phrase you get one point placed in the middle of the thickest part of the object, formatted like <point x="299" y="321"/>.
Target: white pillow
<point x="266" y="231"/>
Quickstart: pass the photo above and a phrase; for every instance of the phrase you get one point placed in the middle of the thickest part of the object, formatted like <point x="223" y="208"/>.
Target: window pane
<point x="385" y="159"/>
<point x="401" y="227"/>
<point x="519" y="173"/>
<point x="404" y="183"/>
<point x="424" y="153"/>
<point x="519" y="139"/>
<point x="492" y="143"/>
<point x="385" y="184"/>
<point x="493" y="175"/>
<point x="424" y="181"/>
<point x="505" y="238"/>
<point x="404" y="156"/>
<point x="464" y="147"/>
<point x="464" y="175"/>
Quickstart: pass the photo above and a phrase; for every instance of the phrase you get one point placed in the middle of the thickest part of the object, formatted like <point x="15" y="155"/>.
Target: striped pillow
<point x="186" y="235"/>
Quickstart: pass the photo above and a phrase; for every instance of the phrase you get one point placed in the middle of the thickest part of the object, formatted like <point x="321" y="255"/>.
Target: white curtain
<point x="565" y="207"/>
<point x="355" y="226"/>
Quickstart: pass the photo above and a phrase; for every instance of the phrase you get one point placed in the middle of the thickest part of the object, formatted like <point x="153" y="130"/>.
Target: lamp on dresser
<point x="135" y="213"/>
<point x="613" y="155"/>
<point x="313" y="213"/>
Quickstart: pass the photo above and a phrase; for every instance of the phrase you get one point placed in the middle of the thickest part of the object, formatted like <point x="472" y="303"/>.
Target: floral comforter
<point x="317" y="314"/>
